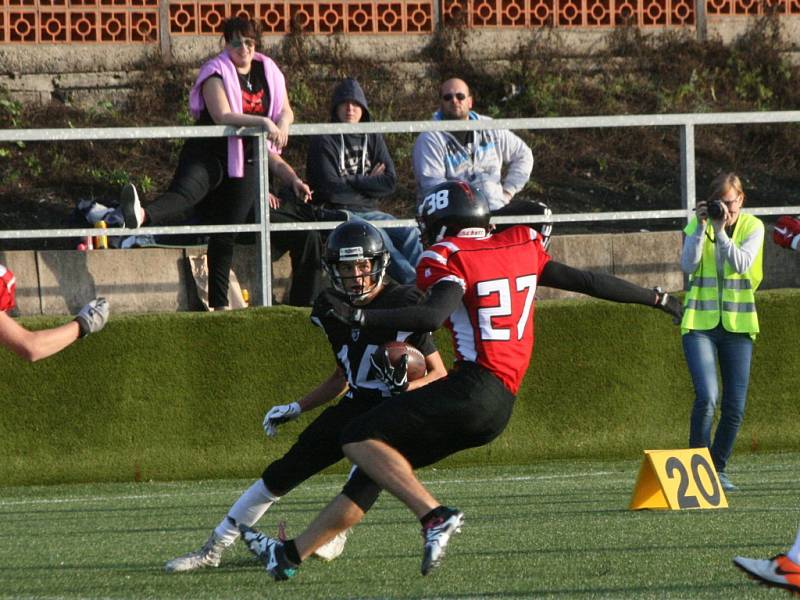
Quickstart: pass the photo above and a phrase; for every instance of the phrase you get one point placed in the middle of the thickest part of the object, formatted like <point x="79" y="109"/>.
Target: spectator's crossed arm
<point x="322" y="168"/>
<point x="376" y="186"/>
<point x="519" y="160"/>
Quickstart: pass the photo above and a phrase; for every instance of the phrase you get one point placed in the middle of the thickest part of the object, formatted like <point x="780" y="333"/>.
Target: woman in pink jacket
<point x="216" y="179"/>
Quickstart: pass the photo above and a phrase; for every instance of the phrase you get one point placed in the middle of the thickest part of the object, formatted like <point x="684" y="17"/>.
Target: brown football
<point x="416" y="361"/>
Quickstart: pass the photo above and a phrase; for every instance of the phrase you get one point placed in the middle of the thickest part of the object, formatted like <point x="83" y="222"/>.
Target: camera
<point x="715" y="210"/>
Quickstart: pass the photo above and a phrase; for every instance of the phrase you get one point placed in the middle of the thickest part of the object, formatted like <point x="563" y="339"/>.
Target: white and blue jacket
<point x="439" y="156"/>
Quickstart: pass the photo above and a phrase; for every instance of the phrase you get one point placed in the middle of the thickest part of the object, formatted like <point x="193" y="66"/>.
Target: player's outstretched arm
<point x="326" y="391"/>
<point x="607" y="287"/>
<point x="440" y="302"/>
<point x="36" y="345"/>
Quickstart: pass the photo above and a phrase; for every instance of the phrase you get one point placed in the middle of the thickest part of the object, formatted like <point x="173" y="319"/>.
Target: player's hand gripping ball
<point x="397" y="364"/>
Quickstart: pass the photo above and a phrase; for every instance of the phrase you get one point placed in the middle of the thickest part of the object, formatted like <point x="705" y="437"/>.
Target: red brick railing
<point x="314" y="17"/>
<point x="139" y="21"/>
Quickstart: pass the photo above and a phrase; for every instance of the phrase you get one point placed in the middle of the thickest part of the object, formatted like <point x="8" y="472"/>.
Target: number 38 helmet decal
<point x="450" y="208"/>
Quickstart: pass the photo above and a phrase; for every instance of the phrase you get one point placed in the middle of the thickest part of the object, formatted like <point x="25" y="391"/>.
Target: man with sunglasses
<point x="477" y="157"/>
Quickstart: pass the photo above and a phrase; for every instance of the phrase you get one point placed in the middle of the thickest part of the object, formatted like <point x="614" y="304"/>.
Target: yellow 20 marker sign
<point x="678" y="480"/>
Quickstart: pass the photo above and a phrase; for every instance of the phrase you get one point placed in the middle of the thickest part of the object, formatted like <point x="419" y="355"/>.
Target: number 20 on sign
<point x="678" y="480"/>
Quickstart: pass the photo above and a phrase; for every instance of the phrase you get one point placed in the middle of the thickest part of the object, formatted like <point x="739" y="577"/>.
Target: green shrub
<point x="182" y="396"/>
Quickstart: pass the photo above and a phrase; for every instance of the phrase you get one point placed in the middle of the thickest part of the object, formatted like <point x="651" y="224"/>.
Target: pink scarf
<point x="223" y="66"/>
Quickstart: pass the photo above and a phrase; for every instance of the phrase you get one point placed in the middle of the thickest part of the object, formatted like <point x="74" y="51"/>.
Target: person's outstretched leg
<point x="247" y="510"/>
<point x="782" y="570"/>
<point x="195" y="177"/>
<point x="391" y="471"/>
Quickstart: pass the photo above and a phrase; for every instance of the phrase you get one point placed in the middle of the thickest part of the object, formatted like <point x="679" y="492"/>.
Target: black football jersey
<point x="353" y="346"/>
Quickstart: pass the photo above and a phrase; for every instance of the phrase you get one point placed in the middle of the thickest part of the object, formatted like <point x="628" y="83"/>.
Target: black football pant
<point x="317" y="448"/>
<point x="201" y="186"/>
<point x="468" y="408"/>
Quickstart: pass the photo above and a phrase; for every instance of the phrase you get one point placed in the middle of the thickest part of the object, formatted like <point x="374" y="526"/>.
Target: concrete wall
<point x="87" y="74"/>
<point x="159" y="280"/>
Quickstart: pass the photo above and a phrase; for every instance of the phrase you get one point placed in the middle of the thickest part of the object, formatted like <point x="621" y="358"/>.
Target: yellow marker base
<point x="678" y="480"/>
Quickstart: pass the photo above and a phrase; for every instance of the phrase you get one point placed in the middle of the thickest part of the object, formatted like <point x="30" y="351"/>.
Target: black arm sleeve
<point x="440" y="303"/>
<point x="600" y="285"/>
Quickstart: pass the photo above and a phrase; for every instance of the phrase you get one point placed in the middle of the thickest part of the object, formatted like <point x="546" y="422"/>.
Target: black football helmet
<point x="352" y="241"/>
<point x="450" y="207"/>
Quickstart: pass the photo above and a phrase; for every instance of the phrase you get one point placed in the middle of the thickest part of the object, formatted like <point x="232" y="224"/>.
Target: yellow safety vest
<point x="738" y="312"/>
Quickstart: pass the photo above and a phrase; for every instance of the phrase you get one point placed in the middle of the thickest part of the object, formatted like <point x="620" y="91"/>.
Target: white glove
<point x="280" y="414"/>
<point x="92" y="317"/>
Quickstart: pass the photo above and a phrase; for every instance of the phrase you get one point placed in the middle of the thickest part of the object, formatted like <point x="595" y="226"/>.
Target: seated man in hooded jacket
<point x="354" y="172"/>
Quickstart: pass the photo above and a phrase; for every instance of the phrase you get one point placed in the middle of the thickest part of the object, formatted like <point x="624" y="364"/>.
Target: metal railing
<point x="686" y="123"/>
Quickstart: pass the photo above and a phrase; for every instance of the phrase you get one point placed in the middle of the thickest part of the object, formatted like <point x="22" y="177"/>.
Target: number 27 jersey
<point x="493" y="326"/>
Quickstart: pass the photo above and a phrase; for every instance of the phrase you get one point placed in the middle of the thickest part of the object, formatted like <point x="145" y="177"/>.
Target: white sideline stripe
<point x="196" y="493"/>
<point x="199" y="493"/>
<point x="519" y="478"/>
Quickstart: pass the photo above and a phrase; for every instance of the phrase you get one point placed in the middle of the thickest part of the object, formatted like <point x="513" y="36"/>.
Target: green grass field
<point x="557" y="529"/>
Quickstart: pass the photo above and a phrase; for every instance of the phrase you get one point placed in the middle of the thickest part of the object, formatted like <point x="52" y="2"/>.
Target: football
<point x="416" y="361"/>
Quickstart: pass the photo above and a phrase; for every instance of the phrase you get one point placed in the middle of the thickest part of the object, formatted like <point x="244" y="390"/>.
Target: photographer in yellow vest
<point x="722" y="255"/>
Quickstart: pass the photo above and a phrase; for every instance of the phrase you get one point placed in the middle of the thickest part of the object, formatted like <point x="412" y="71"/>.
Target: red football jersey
<point x="8" y="288"/>
<point x="499" y="273"/>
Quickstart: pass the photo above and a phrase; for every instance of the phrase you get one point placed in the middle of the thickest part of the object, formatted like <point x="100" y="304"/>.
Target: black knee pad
<point x="361" y="490"/>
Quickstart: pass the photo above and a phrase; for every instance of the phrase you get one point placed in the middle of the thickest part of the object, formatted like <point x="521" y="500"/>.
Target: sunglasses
<point x="237" y="43"/>
<point x="460" y="96"/>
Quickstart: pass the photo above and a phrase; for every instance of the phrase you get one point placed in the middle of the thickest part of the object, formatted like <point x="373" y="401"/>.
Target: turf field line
<point x="623" y="476"/>
<point x="520" y="478"/>
<point x="212" y="493"/>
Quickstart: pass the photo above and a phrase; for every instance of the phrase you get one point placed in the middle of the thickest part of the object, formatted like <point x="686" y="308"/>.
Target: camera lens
<point x="715" y="209"/>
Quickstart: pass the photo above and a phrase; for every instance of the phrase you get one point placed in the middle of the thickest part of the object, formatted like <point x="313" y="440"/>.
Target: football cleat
<point x="334" y="548"/>
<point x="779" y="571"/>
<point x="436" y="534"/>
<point x="269" y="551"/>
<point x="207" y="556"/>
<point x="132" y="211"/>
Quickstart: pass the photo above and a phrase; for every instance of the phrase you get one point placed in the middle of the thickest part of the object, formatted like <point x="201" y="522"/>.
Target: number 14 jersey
<point x="493" y="326"/>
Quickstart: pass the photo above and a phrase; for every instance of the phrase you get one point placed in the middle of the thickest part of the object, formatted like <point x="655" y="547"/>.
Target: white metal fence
<point x="685" y="122"/>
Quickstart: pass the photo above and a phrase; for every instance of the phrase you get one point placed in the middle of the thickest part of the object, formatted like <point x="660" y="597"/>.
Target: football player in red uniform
<point x="481" y="286"/>
<point x="35" y="345"/>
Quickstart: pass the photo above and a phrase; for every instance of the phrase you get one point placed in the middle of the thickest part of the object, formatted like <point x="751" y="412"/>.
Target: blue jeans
<point x="733" y="351"/>
<point x="402" y="243"/>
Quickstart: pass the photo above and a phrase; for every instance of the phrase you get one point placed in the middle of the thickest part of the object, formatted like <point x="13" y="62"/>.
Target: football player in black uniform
<point x="356" y="260"/>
